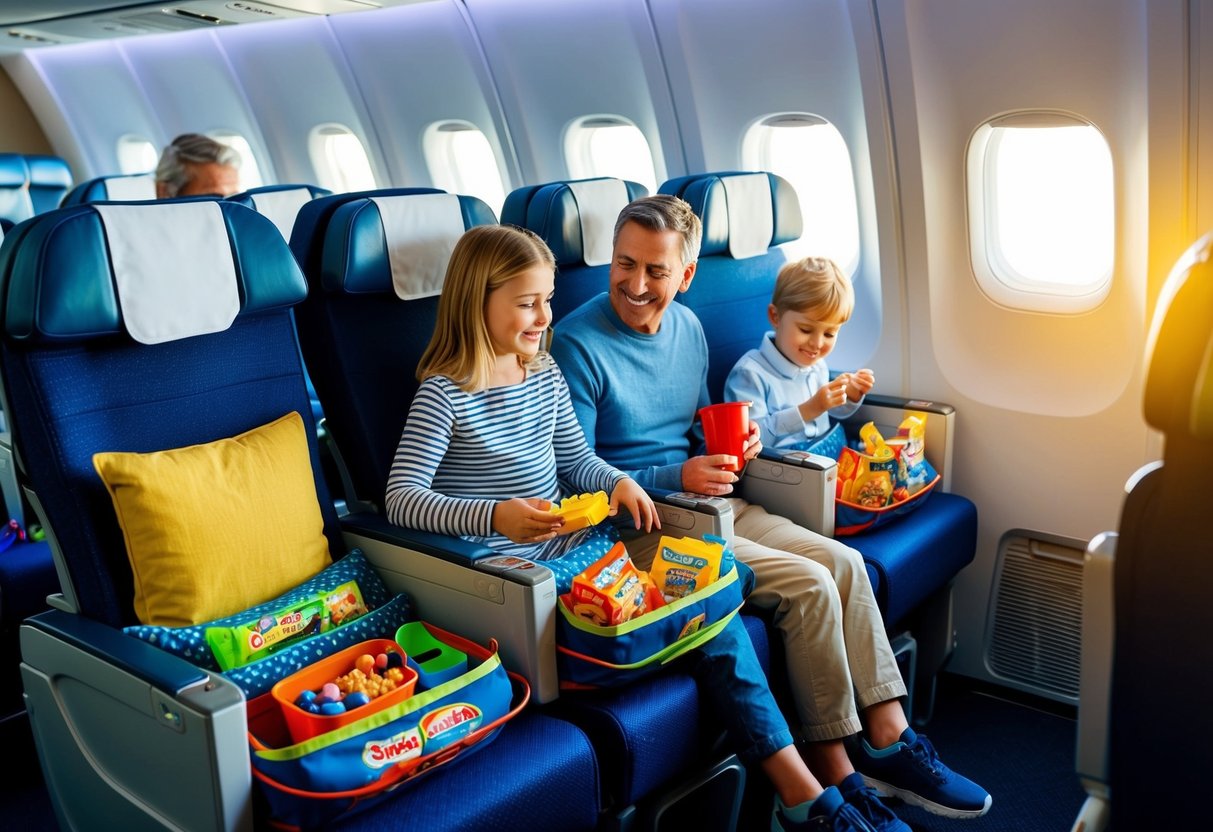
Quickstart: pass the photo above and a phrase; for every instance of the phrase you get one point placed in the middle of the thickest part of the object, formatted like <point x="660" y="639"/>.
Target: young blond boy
<point x="786" y="379"/>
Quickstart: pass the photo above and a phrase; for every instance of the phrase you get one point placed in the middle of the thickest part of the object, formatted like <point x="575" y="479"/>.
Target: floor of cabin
<point x="1019" y="747"/>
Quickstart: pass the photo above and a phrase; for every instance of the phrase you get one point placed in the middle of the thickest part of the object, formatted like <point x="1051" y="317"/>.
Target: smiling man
<point x="636" y="367"/>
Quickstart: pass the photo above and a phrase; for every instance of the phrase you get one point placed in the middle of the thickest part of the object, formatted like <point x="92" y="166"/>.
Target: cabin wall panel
<point x="553" y="61"/>
<point x="19" y="130"/>
<point x="186" y="80"/>
<point x="86" y="98"/>
<point x="730" y="65"/>
<point x="1202" y="116"/>
<point x="417" y="65"/>
<point x="1049" y="407"/>
<point x="294" y="78"/>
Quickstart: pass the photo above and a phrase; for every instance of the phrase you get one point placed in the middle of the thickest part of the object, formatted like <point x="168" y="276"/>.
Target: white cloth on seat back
<point x="282" y="207"/>
<point x="599" y="202"/>
<point x="130" y="188"/>
<point x="421" y="231"/>
<point x="173" y="269"/>
<point x="751" y="217"/>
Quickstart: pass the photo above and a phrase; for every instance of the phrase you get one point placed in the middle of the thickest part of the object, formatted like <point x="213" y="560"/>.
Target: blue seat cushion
<point x="27" y="576"/>
<point x="919" y="553"/>
<point x="539" y="773"/>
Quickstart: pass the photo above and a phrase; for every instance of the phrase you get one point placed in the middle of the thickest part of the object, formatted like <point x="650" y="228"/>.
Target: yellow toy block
<point x="583" y="510"/>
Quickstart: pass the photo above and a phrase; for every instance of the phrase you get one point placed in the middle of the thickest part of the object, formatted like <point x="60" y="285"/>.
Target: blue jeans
<point x="729" y="674"/>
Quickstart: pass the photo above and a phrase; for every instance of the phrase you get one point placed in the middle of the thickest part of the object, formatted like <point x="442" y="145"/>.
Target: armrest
<point x="1095" y="669"/>
<point x="794" y="484"/>
<point x="471" y="590"/>
<point x="888" y="411"/>
<point x="108" y="711"/>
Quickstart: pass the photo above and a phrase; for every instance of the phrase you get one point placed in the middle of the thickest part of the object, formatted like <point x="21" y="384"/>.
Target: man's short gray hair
<point x="663" y="212"/>
<point x="191" y="148"/>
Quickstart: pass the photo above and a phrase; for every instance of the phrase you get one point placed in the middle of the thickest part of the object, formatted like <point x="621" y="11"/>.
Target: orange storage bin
<point x="303" y="725"/>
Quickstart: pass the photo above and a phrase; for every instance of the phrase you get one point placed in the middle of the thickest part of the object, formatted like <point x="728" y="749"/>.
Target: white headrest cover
<point x="282" y="207"/>
<point x="599" y="202"/>
<point x="421" y="231"/>
<point x="173" y="269"/>
<point x="131" y="188"/>
<point x="751" y="217"/>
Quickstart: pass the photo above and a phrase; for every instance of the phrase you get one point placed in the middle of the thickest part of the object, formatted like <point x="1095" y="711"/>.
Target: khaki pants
<point x="819" y="594"/>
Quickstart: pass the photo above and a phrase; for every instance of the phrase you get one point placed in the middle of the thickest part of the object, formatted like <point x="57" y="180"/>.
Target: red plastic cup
<point x="726" y="427"/>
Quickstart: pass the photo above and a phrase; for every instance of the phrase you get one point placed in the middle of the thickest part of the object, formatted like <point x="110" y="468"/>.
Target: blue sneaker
<point x="911" y="770"/>
<point x="828" y="813"/>
<point x="863" y="799"/>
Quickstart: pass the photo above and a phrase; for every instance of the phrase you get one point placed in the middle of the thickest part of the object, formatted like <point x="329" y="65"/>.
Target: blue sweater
<point x="460" y="453"/>
<point x="636" y="395"/>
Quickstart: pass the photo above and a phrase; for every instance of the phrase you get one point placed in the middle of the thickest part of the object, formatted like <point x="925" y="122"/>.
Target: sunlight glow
<point x="461" y="161"/>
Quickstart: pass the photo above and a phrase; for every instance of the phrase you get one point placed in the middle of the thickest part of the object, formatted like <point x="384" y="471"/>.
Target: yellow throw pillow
<point x="217" y="528"/>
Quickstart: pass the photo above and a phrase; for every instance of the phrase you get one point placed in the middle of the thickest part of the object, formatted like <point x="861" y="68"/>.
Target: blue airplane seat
<point x="133" y="187"/>
<point x="363" y="341"/>
<point x="49" y="180"/>
<point x="128" y="734"/>
<point x="577" y="219"/>
<point x="15" y="204"/>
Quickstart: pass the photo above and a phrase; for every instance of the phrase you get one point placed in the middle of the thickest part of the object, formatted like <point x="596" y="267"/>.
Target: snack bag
<point x="888" y="480"/>
<point x="610" y="591"/>
<point x="684" y="565"/>
<point x="913" y="470"/>
<point x="252" y="640"/>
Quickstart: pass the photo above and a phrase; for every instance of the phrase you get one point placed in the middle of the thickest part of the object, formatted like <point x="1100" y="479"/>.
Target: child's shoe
<point x="911" y="770"/>
<point x="863" y="799"/>
<point x="828" y="813"/>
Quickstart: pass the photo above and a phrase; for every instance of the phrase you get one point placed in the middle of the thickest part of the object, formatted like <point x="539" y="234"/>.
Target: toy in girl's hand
<point x="583" y="510"/>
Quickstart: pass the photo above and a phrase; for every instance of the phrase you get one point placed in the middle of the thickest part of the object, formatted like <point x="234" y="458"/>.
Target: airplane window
<point x="609" y="146"/>
<point x="340" y="160"/>
<point x="812" y="155"/>
<point x="136" y="155"/>
<point x="461" y="161"/>
<point x="1041" y="212"/>
<point x="250" y="172"/>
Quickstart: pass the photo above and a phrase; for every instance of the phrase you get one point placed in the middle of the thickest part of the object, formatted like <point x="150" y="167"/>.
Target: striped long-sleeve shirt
<point x="461" y="453"/>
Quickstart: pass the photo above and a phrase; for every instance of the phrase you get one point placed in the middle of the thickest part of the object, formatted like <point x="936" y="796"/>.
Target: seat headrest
<point x="281" y="203"/>
<point x="155" y="271"/>
<point x="1179" y="350"/>
<point x="743" y="213"/>
<point x="49" y="179"/>
<point x="397" y="243"/>
<point x="576" y="218"/>
<point x="118" y="188"/>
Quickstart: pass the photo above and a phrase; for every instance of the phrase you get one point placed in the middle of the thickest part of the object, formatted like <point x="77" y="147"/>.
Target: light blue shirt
<point x="777" y="386"/>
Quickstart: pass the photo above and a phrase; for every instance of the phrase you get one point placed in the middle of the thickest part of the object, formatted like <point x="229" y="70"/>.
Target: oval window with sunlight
<point x="250" y="171"/>
<point x="609" y="146"/>
<point x="136" y="155"/>
<point x="461" y="161"/>
<point x="812" y="155"/>
<point x="1041" y="212"/>
<point x="339" y="159"/>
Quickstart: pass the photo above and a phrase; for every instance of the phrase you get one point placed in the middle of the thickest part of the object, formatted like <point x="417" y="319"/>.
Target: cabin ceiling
<point x="26" y="24"/>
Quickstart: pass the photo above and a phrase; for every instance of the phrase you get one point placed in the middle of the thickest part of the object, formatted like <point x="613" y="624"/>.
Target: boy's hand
<point x="827" y="396"/>
<point x="526" y="521"/>
<point x="636" y="500"/>
<point x="704" y="475"/>
<point x="860" y="384"/>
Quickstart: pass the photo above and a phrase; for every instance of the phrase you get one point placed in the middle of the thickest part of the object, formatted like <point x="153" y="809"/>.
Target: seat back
<point x="90" y="364"/>
<point x="1161" y="572"/>
<point x="281" y="203"/>
<point x="15" y="204"/>
<point x="577" y="220"/>
<point x="745" y="217"/>
<point x="115" y="188"/>
<point x="49" y="180"/>
<point x="361" y="253"/>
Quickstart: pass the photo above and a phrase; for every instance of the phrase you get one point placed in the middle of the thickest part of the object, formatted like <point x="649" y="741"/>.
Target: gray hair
<point x="191" y="148"/>
<point x="662" y="212"/>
